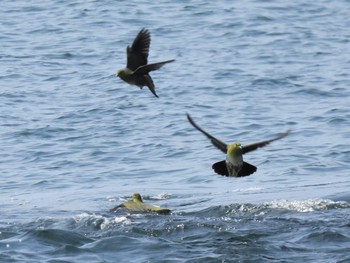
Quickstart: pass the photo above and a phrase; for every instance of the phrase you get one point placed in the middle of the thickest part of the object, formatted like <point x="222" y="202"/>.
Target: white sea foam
<point x="161" y="196"/>
<point x="305" y="205"/>
<point x="250" y="189"/>
<point x="122" y="220"/>
<point x="99" y="221"/>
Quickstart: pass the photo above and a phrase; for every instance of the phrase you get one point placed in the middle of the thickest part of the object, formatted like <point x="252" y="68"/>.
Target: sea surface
<point x="76" y="141"/>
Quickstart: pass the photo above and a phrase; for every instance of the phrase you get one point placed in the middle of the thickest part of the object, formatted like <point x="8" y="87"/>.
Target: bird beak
<point x="118" y="71"/>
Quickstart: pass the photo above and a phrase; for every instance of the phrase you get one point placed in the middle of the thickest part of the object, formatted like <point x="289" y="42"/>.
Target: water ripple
<point x="76" y="140"/>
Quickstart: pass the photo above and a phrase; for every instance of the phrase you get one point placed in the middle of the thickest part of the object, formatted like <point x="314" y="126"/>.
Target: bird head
<point x="137" y="197"/>
<point x="234" y="149"/>
<point x="123" y="74"/>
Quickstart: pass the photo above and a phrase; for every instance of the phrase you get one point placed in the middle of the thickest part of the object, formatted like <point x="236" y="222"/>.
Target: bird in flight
<point x="137" y="70"/>
<point x="234" y="165"/>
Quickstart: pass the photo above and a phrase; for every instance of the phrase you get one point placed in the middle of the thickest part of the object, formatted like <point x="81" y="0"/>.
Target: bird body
<point x="234" y="165"/>
<point x="137" y="70"/>
<point x="234" y="159"/>
<point x="127" y="75"/>
<point x="138" y="206"/>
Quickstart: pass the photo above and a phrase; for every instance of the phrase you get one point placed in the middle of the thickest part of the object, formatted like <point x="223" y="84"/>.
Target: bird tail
<point x="150" y="84"/>
<point x="221" y="168"/>
<point x="247" y="169"/>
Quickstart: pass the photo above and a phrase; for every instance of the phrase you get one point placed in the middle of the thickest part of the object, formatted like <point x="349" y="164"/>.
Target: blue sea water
<point x="76" y="141"/>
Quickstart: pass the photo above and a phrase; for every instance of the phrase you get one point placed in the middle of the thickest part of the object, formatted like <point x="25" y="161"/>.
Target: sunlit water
<point x="76" y="141"/>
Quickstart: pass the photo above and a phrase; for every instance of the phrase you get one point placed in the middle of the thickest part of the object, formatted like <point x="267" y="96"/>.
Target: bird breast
<point x="236" y="161"/>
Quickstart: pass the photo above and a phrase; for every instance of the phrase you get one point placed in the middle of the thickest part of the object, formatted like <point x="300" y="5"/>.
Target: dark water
<point x="76" y="141"/>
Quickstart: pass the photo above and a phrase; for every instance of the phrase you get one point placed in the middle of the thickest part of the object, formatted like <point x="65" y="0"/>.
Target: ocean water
<point x="76" y="141"/>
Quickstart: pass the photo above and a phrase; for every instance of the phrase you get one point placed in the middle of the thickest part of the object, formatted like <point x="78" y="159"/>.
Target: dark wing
<point x="217" y="143"/>
<point x="164" y="211"/>
<point x="137" y="54"/>
<point x="254" y="146"/>
<point x="144" y="69"/>
<point x="116" y="208"/>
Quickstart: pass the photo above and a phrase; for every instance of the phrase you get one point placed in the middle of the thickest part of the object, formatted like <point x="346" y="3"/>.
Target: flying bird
<point x="137" y="70"/>
<point x="234" y="165"/>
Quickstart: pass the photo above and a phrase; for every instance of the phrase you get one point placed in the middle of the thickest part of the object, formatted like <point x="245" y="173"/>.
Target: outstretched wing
<point x="144" y="69"/>
<point x="217" y="143"/>
<point x="254" y="146"/>
<point x="137" y="54"/>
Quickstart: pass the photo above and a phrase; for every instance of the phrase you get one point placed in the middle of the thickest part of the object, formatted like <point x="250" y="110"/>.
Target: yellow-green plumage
<point x="234" y="165"/>
<point x="138" y="206"/>
<point x="137" y="70"/>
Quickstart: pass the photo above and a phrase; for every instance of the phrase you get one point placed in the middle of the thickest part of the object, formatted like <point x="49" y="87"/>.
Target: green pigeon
<point x="234" y="165"/>
<point x="138" y="206"/>
<point x="137" y="70"/>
